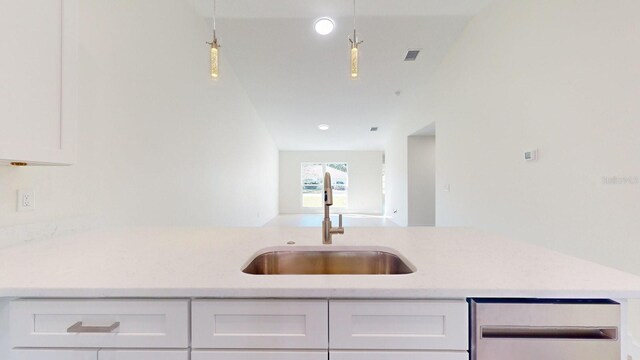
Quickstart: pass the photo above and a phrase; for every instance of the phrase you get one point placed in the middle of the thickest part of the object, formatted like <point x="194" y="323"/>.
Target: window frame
<point x="324" y="170"/>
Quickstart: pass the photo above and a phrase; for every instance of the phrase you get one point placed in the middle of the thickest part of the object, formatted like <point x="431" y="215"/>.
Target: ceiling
<point x="297" y="79"/>
<point x="314" y="8"/>
<point x="429" y="130"/>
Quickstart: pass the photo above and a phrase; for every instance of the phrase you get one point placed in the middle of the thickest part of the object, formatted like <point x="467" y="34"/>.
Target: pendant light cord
<point x="214" y="17"/>
<point x="354" y="16"/>
<point x="355" y="41"/>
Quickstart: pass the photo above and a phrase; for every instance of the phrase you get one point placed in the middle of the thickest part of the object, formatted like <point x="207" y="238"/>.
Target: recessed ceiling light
<point x="324" y="26"/>
<point x="323" y="127"/>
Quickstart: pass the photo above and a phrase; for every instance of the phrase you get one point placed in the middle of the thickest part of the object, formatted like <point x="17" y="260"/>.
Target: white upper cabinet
<point x="38" y="81"/>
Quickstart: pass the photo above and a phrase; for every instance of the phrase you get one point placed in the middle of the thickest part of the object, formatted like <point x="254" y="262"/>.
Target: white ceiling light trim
<point x="324" y="26"/>
<point x="323" y="127"/>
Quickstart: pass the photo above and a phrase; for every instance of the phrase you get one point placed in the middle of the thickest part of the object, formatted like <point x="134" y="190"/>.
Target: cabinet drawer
<point x="54" y="355"/>
<point x="99" y="323"/>
<point x="259" y="324"/>
<point x="399" y="325"/>
<point x="143" y="355"/>
<point x="261" y="355"/>
<point x="399" y="355"/>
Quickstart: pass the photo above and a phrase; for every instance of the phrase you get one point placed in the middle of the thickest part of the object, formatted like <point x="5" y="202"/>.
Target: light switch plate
<point x="26" y="200"/>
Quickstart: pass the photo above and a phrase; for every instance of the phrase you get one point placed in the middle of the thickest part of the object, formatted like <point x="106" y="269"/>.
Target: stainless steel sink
<point x="328" y="261"/>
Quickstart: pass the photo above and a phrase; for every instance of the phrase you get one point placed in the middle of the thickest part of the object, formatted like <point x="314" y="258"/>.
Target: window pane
<point x="339" y="183"/>
<point x="312" y="185"/>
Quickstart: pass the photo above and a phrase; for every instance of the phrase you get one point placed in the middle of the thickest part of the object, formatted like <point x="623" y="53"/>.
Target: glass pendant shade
<point x="214" y="56"/>
<point x="354" y="47"/>
<point x="215" y="69"/>
<point x="354" y="61"/>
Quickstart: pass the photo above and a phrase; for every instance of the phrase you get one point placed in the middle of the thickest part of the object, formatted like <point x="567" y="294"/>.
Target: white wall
<point x="159" y="142"/>
<point x="365" y="180"/>
<point x="4" y="329"/>
<point x="559" y="75"/>
<point x="421" y="176"/>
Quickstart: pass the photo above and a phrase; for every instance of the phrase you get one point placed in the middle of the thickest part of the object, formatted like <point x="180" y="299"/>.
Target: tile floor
<point x="315" y="220"/>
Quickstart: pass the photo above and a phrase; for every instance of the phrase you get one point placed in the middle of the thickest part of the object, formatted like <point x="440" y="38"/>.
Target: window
<point x="312" y="176"/>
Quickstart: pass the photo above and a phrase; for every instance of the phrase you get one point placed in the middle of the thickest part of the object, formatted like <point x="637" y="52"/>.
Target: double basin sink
<point x="327" y="260"/>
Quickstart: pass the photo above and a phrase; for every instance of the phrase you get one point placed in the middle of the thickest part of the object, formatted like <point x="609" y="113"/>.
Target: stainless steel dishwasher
<point x="545" y="329"/>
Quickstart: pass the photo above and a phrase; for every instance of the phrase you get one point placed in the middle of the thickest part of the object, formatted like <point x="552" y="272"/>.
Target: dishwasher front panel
<point x="550" y="330"/>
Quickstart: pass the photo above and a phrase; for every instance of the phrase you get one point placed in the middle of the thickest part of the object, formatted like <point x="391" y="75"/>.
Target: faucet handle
<point x="339" y="230"/>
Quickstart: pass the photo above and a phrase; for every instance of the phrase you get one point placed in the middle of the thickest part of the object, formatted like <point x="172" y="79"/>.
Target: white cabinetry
<point x="143" y="355"/>
<point x="261" y="355"/>
<point x="34" y="354"/>
<point x="238" y="329"/>
<point x="107" y="329"/>
<point x="398" y="355"/>
<point x="260" y="324"/>
<point x="54" y="355"/>
<point x="399" y="325"/>
<point x="38" y="81"/>
<point x="100" y="323"/>
<point x="259" y="329"/>
<point x="398" y="330"/>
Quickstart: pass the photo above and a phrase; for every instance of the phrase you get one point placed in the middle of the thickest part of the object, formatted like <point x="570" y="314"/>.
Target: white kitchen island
<point x="160" y="293"/>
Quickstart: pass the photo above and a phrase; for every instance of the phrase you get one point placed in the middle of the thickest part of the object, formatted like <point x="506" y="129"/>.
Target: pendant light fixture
<point x="215" y="48"/>
<point x="354" y="46"/>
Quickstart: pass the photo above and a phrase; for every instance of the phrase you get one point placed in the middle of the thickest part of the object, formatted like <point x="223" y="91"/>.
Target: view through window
<point x="312" y="176"/>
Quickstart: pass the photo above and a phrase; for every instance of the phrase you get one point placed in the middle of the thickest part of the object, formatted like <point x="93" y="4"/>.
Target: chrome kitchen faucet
<point x="327" y="229"/>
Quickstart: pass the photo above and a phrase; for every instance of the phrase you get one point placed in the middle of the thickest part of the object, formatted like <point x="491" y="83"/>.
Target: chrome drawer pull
<point x="78" y="328"/>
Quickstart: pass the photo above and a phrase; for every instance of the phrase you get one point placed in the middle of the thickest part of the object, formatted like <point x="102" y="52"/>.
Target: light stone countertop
<point x="188" y="262"/>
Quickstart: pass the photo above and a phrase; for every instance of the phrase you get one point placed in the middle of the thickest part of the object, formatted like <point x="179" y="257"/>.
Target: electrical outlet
<point x="531" y="155"/>
<point x="26" y="200"/>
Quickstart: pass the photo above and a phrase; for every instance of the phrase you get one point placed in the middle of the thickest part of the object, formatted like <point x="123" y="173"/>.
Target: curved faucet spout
<point x="327" y="229"/>
<point x="328" y="191"/>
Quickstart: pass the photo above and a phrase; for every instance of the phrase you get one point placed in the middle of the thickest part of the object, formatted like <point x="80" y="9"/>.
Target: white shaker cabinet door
<point x="38" y="81"/>
<point x="428" y="325"/>
<point x="398" y="355"/>
<point x="100" y="324"/>
<point x="143" y="355"/>
<point x="54" y="355"/>
<point x="259" y="324"/>
<point x="259" y="355"/>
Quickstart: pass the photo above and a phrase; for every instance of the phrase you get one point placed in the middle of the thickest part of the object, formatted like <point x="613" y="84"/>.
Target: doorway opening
<point x="421" y="166"/>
